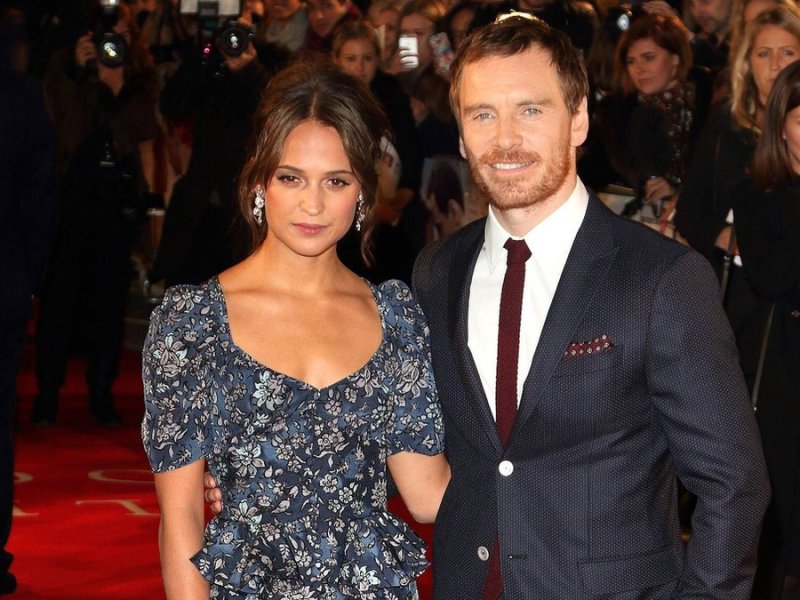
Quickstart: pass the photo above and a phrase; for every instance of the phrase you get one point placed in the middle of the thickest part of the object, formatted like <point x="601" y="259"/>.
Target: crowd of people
<point x="204" y="127"/>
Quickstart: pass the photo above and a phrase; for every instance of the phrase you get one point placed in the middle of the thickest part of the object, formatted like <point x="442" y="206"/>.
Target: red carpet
<point x="86" y="517"/>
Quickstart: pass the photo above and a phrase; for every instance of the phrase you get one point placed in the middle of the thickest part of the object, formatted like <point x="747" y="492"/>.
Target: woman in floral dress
<point x="295" y="382"/>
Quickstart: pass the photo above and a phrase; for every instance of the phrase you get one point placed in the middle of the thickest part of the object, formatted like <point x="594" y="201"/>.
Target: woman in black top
<point x="720" y="162"/>
<point x="768" y="230"/>
<point x="645" y="135"/>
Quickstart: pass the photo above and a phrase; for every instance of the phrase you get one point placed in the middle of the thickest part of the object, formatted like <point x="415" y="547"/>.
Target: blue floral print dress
<point x="302" y="470"/>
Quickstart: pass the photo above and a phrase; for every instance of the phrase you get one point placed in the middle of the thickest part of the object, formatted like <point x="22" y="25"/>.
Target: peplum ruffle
<point x="368" y="554"/>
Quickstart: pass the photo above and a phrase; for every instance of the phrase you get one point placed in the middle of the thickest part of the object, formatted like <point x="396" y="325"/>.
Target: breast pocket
<point x="582" y="392"/>
<point x="575" y="366"/>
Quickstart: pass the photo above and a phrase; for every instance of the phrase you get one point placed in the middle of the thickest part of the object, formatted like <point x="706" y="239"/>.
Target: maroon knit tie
<point x="508" y="337"/>
<point x="506" y="386"/>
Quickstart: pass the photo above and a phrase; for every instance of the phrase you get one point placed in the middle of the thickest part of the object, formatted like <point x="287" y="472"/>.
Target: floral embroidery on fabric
<point x="303" y="470"/>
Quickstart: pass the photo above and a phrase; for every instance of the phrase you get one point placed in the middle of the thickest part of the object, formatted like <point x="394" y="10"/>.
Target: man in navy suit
<point x="626" y="369"/>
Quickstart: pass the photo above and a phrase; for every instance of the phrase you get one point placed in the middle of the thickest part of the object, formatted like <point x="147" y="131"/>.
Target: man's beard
<point x="509" y="193"/>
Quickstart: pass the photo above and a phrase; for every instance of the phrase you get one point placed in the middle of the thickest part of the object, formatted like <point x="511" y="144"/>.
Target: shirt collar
<point x="550" y="239"/>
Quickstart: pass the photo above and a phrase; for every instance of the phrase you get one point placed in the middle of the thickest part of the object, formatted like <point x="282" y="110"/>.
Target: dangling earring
<point x="360" y="211"/>
<point x="258" y="205"/>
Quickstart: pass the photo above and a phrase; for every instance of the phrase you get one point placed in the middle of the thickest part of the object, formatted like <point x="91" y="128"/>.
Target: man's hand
<point x="85" y="50"/>
<point x="212" y="494"/>
<point x="658" y="190"/>
<point x="237" y="63"/>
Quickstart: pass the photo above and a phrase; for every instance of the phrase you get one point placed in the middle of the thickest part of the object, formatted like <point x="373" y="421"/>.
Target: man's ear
<point x="461" y="149"/>
<point x="580" y="124"/>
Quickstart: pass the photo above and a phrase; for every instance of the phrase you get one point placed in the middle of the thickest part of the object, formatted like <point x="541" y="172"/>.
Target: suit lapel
<point x="588" y="262"/>
<point x="458" y="310"/>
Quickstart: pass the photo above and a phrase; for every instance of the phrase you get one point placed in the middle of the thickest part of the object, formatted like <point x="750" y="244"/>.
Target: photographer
<point x="101" y="95"/>
<point x="214" y="94"/>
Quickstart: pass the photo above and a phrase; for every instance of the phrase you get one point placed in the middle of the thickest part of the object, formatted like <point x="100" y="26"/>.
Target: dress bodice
<point x="302" y="469"/>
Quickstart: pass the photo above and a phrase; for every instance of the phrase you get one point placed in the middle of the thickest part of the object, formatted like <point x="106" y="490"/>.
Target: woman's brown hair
<point x="772" y="166"/>
<point x="665" y="32"/>
<point x="323" y="93"/>
<point x="355" y="30"/>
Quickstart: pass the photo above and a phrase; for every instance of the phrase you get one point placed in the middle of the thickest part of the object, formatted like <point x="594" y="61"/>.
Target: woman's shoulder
<point x="721" y="120"/>
<point x="191" y="305"/>
<point x="720" y="117"/>
<point x="751" y="196"/>
<point x="396" y="292"/>
<point x="399" y="306"/>
<point x="723" y="134"/>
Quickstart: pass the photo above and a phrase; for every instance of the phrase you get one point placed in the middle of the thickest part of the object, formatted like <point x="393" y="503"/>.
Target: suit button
<point x="506" y="468"/>
<point x="483" y="553"/>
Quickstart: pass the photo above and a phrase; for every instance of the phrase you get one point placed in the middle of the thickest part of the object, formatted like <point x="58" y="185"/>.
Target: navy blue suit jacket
<point x="590" y="509"/>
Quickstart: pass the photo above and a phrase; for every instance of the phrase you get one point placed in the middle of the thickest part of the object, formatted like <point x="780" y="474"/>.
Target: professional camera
<point x="111" y="47"/>
<point x="218" y="27"/>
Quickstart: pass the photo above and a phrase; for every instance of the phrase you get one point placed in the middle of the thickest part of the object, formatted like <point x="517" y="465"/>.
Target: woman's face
<point x="359" y="58"/>
<point x="323" y="15"/>
<point x="791" y="133"/>
<point x="311" y="198"/>
<point x="773" y="48"/>
<point x="651" y="68"/>
<point x="418" y="26"/>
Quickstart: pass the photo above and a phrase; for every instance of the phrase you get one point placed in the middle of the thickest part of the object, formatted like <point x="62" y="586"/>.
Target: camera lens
<point x="234" y="40"/>
<point x="111" y="50"/>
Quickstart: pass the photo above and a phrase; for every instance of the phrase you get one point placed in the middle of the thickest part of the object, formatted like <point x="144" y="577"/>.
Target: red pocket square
<point x="598" y="344"/>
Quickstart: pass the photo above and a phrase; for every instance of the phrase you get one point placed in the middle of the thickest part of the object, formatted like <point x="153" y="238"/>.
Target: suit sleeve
<point x="702" y="406"/>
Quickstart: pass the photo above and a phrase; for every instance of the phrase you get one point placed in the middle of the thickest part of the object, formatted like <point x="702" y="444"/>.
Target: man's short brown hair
<point x="515" y="35"/>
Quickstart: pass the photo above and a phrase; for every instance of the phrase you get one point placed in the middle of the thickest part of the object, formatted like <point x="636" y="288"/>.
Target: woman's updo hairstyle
<point x="323" y="93"/>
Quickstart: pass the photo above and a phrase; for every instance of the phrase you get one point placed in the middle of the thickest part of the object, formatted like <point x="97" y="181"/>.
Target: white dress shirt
<point x="550" y="243"/>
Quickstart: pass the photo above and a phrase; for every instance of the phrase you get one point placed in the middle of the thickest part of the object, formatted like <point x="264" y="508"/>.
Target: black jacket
<point x="28" y="193"/>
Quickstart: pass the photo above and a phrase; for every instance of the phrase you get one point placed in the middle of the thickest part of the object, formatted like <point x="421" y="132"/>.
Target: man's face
<point x="713" y="16"/>
<point x="323" y="15"/>
<point x="282" y="10"/>
<point x="517" y="133"/>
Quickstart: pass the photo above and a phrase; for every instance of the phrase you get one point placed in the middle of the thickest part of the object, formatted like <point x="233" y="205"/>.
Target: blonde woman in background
<point x="720" y="162"/>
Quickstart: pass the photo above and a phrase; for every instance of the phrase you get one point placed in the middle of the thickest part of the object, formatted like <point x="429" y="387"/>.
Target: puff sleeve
<point x="417" y="419"/>
<point x="177" y="371"/>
